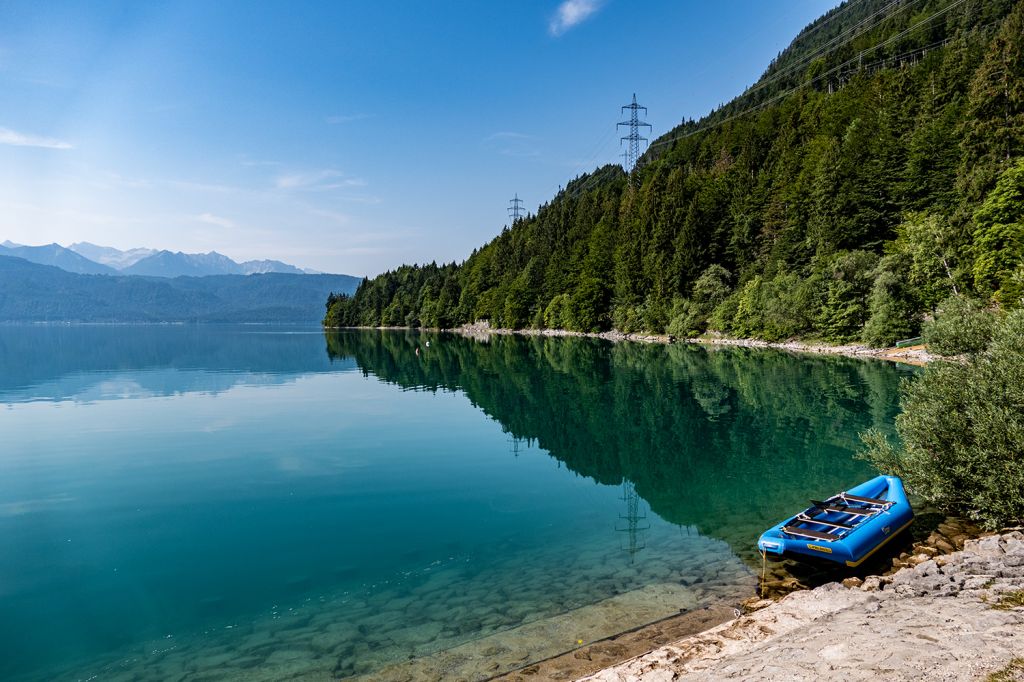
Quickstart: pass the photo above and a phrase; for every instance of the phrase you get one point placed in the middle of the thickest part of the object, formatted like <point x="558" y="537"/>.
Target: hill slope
<point x="39" y="293"/>
<point x="838" y="197"/>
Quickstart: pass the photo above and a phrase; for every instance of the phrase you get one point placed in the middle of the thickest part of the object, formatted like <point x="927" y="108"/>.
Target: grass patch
<point x="1010" y="600"/>
<point x="1013" y="671"/>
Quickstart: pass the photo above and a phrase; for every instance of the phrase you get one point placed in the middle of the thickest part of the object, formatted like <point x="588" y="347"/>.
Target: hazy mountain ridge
<point x="108" y="255"/>
<point x="86" y="258"/>
<point x="175" y="264"/>
<point x="31" y="292"/>
<point x="57" y="256"/>
<point x="259" y="267"/>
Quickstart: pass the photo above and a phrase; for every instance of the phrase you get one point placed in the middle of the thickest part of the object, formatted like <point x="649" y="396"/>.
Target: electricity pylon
<point x="515" y="209"/>
<point x="634" y="138"/>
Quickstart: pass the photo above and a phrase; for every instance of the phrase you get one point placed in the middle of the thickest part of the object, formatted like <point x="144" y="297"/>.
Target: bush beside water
<point x="962" y="427"/>
<point x="962" y="325"/>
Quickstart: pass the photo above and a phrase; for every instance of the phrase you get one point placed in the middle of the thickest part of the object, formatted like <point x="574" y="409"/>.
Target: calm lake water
<point x="208" y="502"/>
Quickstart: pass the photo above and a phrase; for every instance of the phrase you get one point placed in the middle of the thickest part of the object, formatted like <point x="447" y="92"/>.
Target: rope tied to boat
<point x="764" y="567"/>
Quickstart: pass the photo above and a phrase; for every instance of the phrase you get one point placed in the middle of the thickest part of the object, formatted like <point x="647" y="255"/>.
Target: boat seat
<point x="808" y="533"/>
<point x="844" y="509"/>
<point x="865" y="500"/>
<point x="832" y="524"/>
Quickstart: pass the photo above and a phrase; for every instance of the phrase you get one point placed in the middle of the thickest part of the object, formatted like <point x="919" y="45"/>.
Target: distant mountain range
<point x="109" y="256"/>
<point x="32" y="292"/>
<point x="85" y="258"/>
<point x="57" y="256"/>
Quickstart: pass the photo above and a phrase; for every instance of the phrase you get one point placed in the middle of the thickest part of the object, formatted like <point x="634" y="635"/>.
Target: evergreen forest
<point x="875" y="170"/>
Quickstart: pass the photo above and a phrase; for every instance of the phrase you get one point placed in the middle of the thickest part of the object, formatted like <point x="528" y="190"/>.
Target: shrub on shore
<point x="961" y="431"/>
<point x="962" y="325"/>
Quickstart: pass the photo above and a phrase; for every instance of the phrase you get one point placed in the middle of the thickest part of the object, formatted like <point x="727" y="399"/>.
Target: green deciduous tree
<point x="928" y="250"/>
<point x="690" y="316"/>
<point x="961" y="325"/>
<point x="893" y="306"/>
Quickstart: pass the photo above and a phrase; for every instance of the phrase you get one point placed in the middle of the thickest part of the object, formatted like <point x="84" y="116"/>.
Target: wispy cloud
<point x="245" y="160"/>
<point x="509" y="135"/>
<point x="335" y="216"/>
<point x="359" y="251"/>
<point x="338" y="120"/>
<point x="16" y="139"/>
<point x="211" y="219"/>
<point x="572" y="13"/>
<point x="510" y="143"/>
<point x="320" y="180"/>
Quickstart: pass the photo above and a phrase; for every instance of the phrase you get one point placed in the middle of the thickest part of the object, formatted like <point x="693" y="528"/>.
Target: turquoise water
<point x="253" y="503"/>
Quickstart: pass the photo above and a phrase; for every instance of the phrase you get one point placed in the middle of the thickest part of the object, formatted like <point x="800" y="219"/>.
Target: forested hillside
<point x="875" y="169"/>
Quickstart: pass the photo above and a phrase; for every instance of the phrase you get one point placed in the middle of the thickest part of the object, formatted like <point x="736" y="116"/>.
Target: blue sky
<point x="342" y="136"/>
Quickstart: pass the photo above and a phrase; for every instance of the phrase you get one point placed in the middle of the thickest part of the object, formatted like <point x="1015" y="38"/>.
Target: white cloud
<point x="211" y="219"/>
<point x="14" y="138"/>
<point x="570" y="13"/>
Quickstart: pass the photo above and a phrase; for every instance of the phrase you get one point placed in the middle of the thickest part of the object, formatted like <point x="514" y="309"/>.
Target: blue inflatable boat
<point x="846" y="528"/>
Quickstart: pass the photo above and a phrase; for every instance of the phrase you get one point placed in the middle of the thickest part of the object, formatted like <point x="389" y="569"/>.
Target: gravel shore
<point x="957" y="616"/>
<point x="911" y="354"/>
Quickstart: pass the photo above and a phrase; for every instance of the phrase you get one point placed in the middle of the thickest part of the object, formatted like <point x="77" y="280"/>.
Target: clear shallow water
<point x="226" y="503"/>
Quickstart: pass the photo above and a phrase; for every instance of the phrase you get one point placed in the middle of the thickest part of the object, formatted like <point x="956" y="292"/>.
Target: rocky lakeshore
<point x="912" y="354"/>
<point x="957" y="616"/>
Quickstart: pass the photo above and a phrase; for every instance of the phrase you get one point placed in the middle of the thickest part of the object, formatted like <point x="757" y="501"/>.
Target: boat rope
<point x="764" y="567"/>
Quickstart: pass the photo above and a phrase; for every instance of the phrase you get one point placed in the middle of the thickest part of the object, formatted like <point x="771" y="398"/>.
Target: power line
<point x="775" y="76"/>
<point x="601" y="146"/>
<point x="817" y="78"/>
<point x="778" y="75"/>
<point x="858" y="57"/>
<point x="632" y="153"/>
<point x="599" y="150"/>
<point x="833" y="44"/>
<point x="829" y="18"/>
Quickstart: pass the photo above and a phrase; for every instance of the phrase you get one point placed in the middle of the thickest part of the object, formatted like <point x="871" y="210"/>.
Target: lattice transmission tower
<point x="634" y="138"/>
<point x="635" y="520"/>
<point x="515" y="209"/>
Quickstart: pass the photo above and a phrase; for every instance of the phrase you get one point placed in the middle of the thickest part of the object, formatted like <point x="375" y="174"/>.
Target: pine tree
<point x="994" y="129"/>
